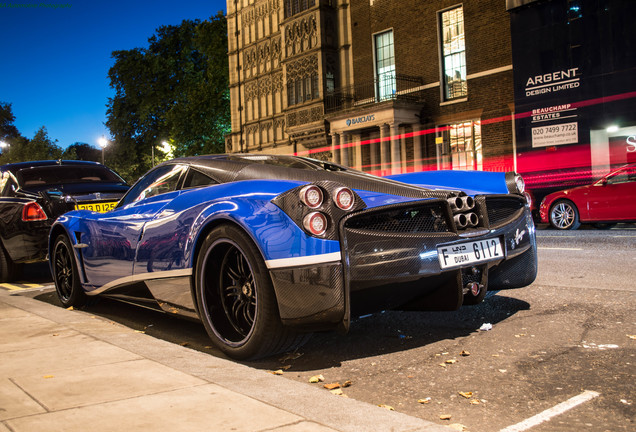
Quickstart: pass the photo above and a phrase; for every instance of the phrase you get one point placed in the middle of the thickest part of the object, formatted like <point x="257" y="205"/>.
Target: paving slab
<point x="107" y="382"/>
<point x="71" y="352"/>
<point x="207" y="407"/>
<point x="14" y="402"/>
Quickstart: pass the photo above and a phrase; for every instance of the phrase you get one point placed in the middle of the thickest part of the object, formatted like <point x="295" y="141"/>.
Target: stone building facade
<point x="380" y="85"/>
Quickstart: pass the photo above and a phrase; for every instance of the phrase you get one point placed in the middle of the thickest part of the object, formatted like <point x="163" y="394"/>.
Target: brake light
<point x="315" y="223"/>
<point x="33" y="212"/>
<point x="311" y="196"/>
<point x="344" y="199"/>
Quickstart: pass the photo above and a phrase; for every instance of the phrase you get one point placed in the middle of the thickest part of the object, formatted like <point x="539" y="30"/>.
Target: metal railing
<point x="384" y="88"/>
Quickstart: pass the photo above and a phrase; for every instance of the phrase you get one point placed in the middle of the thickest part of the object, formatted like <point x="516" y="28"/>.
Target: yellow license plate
<point x="97" y="207"/>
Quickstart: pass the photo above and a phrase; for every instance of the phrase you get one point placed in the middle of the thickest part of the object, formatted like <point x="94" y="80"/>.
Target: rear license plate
<point x="474" y="252"/>
<point x="97" y="207"/>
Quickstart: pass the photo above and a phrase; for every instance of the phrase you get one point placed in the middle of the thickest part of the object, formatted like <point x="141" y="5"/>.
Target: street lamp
<point x="103" y="142"/>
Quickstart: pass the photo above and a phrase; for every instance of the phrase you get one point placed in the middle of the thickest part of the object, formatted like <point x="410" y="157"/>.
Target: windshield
<point x="64" y="174"/>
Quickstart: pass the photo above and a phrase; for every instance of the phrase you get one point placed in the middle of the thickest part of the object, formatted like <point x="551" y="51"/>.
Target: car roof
<point x="32" y="164"/>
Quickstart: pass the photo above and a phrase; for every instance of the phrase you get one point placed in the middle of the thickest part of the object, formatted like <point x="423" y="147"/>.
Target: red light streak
<point x="543" y="166"/>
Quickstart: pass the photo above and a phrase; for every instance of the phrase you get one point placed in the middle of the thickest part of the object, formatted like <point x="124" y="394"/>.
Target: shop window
<point x="384" y="65"/>
<point x="453" y="53"/>
<point x="460" y="146"/>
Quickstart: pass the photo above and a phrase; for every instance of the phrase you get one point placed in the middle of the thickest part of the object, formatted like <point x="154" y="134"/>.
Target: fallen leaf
<point x="503" y="370"/>
<point x="183" y="344"/>
<point x="475" y="402"/>
<point x="56" y="334"/>
<point x="445" y="417"/>
<point x="467" y="395"/>
<point x="389" y="407"/>
<point x="458" y="427"/>
<point x="464" y="353"/>
<point x="70" y="308"/>
<point x="451" y="361"/>
<point x="442" y="365"/>
<point x="277" y="372"/>
<point x="332" y="386"/>
<point x="316" y="379"/>
<point x="631" y="336"/>
<point x="47" y="376"/>
<point x="424" y="401"/>
<point x="139" y="331"/>
<point x="337" y="392"/>
<point x="347" y="383"/>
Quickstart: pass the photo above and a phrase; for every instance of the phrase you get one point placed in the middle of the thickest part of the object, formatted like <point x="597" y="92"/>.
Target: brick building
<point x="381" y="85"/>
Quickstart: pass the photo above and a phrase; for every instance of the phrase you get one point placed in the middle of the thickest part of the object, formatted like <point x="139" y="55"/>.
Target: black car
<point x="34" y="194"/>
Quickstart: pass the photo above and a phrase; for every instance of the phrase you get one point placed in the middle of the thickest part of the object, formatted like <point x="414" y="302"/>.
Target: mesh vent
<point x="501" y="210"/>
<point x="419" y="219"/>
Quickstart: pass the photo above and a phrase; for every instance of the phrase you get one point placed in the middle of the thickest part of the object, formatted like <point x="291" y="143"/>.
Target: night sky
<point x="54" y="62"/>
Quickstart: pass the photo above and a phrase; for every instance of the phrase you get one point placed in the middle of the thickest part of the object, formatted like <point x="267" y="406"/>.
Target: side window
<point x="162" y="180"/>
<point x="195" y="179"/>
<point x="623" y="176"/>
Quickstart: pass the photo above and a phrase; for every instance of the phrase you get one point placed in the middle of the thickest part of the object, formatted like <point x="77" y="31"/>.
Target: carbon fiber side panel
<point x="310" y="297"/>
<point x="516" y="272"/>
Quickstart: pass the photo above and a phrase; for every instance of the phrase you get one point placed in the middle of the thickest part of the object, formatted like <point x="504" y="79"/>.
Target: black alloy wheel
<point x="236" y="299"/>
<point x="65" y="275"/>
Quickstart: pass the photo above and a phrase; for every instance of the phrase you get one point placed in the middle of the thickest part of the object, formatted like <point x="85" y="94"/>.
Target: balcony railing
<point x="384" y="88"/>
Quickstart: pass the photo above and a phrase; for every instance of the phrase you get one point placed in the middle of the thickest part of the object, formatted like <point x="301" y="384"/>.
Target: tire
<point x="236" y="299"/>
<point x="564" y="215"/>
<point x="65" y="274"/>
<point x="8" y="269"/>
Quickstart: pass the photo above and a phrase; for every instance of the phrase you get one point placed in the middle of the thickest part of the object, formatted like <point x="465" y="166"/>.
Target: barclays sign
<point x="358" y="120"/>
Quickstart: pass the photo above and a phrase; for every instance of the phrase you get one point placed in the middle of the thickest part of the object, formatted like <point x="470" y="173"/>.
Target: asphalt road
<point x="565" y="344"/>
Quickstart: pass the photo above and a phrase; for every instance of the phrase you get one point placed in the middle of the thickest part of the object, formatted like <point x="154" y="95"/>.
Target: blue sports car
<point x="264" y="249"/>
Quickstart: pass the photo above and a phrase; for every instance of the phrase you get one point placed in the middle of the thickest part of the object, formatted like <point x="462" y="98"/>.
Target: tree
<point x="175" y="90"/>
<point x="82" y="151"/>
<point x="7" y="128"/>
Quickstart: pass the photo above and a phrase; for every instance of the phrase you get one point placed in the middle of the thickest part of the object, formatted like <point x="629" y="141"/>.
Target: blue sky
<point x="55" y="61"/>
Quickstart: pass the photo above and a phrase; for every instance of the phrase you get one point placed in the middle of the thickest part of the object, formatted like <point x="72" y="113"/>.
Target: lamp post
<point x="103" y="142"/>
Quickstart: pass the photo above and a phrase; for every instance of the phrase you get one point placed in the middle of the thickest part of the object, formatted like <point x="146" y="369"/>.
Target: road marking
<point x="552" y="412"/>
<point x="559" y="248"/>
<point x="20" y="286"/>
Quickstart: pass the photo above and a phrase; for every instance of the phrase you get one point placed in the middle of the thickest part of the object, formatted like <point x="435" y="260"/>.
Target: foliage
<point x="40" y="147"/>
<point x="8" y="130"/>
<point x="175" y="90"/>
<point x="82" y="151"/>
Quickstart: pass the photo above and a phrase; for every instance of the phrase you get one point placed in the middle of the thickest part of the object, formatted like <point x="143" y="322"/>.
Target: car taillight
<point x="344" y="198"/>
<point x="311" y="196"/>
<point x="315" y="223"/>
<point x="33" y="212"/>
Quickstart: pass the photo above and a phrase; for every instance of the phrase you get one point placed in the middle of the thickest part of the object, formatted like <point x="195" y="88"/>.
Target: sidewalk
<point x="67" y="370"/>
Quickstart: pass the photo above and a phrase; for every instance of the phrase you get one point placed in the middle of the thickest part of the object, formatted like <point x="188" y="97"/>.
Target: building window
<point x="459" y="146"/>
<point x="453" y="53"/>
<point x="384" y="65"/>
<point x="292" y="7"/>
<point x="302" y="90"/>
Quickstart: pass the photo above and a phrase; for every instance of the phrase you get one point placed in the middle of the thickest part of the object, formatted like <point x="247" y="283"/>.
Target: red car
<point x="610" y="200"/>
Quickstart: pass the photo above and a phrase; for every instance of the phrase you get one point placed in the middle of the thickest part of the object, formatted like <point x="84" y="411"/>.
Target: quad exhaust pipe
<point x="463" y="203"/>
<point x="464" y="220"/>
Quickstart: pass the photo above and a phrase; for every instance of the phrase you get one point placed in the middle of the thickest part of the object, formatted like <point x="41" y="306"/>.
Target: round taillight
<point x="315" y="223"/>
<point x="344" y="198"/>
<point x="33" y="212"/>
<point x="311" y="196"/>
